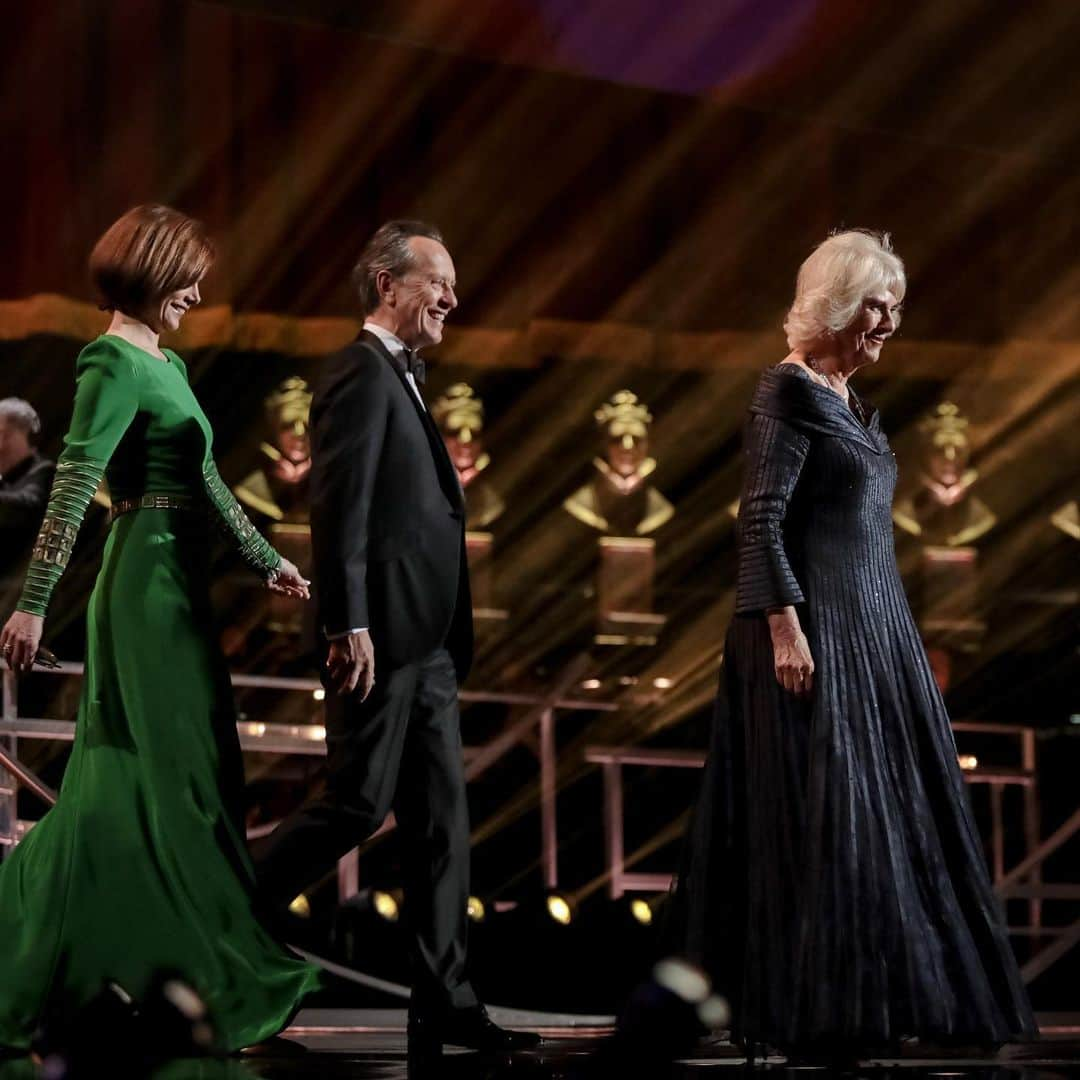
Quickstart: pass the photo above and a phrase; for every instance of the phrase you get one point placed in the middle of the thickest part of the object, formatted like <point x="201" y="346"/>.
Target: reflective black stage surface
<point x="356" y="1044"/>
<point x="384" y="1057"/>
<point x="563" y="1059"/>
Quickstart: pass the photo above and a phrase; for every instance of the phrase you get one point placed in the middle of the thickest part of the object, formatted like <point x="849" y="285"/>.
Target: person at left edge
<point x="142" y="865"/>
<point x="25" y="477"/>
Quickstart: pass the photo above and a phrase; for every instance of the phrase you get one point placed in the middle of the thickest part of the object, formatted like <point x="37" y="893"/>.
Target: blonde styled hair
<point x="836" y="278"/>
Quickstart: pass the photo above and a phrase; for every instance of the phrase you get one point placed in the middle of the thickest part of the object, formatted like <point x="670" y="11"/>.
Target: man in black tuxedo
<point x="25" y="480"/>
<point x="392" y="584"/>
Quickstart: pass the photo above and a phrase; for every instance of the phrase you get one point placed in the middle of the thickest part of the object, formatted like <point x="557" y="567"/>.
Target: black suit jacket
<point x="24" y="494"/>
<point x="387" y="514"/>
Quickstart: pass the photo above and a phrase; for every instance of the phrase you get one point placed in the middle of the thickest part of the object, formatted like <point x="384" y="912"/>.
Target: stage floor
<point x="371" y="1043"/>
<point x="366" y="1044"/>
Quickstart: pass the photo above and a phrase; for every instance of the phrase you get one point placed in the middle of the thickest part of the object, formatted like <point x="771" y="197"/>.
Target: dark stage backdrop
<point x="563" y="195"/>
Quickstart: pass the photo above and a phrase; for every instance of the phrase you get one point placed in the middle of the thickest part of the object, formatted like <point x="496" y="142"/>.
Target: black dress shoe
<point x="471" y="1028"/>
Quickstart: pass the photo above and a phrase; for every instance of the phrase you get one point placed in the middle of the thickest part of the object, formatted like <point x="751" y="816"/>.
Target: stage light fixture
<point x="591" y="684"/>
<point x="968" y="762"/>
<point x="385" y="905"/>
<point x="301" y="907"/>
<point x="662" y="682"/>
<point x="642" y="911"/>
<point x="715" y="1013"/>
<point x="663" y="1019"/>
<point x="560" y="909"/>
<point x="692" y="985"/>
<point x="319" y="695"/>
<point x="177" y="1018"/>
<point x="476" y="910"/>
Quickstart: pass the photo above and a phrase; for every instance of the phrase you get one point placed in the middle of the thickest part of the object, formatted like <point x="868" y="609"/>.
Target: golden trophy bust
<point x="943" y="511"/>
<point x="459" y="415"/>
<point x="278" y="489"/>
<point x="617" y="500"/>
<point x="620" y="504"/>
<point x="276" y="494"/>
<point x="947" y="519"/>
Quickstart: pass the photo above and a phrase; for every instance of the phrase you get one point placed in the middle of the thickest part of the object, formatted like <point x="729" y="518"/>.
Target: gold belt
<point x="153" y="502"/>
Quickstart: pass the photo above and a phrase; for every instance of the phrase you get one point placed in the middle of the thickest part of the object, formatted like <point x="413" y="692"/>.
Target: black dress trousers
<point x="401" y="750"/>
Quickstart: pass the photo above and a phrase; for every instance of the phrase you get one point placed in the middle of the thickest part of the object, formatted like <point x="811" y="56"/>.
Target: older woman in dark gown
<point x="833" y="881"/>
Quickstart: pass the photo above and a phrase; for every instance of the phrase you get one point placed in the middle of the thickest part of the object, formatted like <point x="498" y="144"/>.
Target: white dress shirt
<point x="395" y="347"/>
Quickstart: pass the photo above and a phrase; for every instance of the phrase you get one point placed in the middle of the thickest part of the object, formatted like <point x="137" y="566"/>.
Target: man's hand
<point x="351" y="663"/>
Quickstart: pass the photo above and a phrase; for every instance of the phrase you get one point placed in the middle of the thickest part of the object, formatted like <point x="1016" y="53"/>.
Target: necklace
<point x="849" y="399"/>
<point x="812" y="364"/>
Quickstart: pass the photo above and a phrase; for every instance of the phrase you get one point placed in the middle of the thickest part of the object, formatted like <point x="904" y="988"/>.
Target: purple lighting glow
<point x="685" y="47"/>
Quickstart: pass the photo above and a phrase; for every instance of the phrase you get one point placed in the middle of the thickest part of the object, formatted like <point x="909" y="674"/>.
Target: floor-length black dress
<point x="833" y="880"/>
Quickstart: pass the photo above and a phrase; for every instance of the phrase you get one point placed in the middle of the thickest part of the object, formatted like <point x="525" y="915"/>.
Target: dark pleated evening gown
<point x="833" y="879"/>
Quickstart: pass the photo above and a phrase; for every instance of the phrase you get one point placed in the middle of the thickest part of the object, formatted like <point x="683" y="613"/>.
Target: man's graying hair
<point x="387" y="250"/>
<point x="21" y="414"/>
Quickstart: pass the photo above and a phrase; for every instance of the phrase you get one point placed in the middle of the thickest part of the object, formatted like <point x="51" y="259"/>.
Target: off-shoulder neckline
<point x="832" y="396"/>
<point x="868" y="411"/>
<point x="788" y="365"/>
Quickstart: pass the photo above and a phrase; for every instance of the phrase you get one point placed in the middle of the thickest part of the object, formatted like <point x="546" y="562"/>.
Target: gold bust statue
<point x="278" y="489"/>
<point x="944" y="512"/>
<point x="276" y="495"/>
<point x="459" y="415"/>
<point x="617" y="500"/>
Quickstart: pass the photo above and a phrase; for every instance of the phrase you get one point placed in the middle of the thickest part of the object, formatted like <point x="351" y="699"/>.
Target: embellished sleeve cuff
<point x="74" y="486"/>
<point x="253" y="547"/>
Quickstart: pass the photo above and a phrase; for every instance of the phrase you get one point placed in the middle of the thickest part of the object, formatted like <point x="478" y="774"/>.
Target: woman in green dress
<point x="142" y="865"/>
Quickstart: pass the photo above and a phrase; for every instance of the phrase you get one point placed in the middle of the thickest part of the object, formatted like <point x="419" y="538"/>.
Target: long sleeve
<point x="106" y="402"/>
<point x="774" y="452"/>
<point x="253" y="547"/>
<point x="349" y="422"/>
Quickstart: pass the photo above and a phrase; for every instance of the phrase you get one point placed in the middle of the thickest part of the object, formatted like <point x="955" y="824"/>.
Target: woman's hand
<point x="20" y="639"/>
<point x="288" y="581"/>
<point x="792" y="661"/>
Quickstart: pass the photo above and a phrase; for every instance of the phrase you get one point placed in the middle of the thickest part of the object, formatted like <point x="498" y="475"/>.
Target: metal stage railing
<point x="534" y="728"/>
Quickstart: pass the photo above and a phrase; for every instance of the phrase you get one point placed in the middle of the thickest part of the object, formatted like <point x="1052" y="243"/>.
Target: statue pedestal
<point x="949" y="617"/>
<point x="624" y="592"/>
<point x="478" y="551"/>
<point x="285" y="614"/>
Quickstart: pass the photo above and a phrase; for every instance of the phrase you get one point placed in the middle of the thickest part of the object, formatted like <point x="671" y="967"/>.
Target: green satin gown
<point x="142" y="865"/>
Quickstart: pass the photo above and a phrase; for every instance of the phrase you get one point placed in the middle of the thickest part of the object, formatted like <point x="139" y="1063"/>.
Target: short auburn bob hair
<point x="151" y="251"/>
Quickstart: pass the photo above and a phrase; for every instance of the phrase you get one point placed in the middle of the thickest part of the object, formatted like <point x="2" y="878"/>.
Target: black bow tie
<point x="409" y="363"/>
